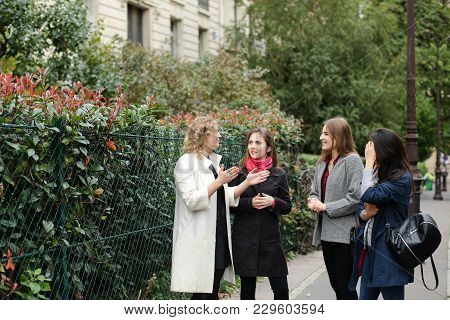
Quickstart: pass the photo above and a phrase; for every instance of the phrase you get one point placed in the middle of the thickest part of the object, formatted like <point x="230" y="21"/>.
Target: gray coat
<point x="342" y="198"/>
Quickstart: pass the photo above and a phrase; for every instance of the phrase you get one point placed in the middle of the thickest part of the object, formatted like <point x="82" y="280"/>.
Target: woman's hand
<point x="254" y="177"/>
<point x="370" y="155"/>
<point x="262" y="201"/>
<point x="316" y="205"/>
<point x="371" y="210"/>
<point x="228" y="175"/>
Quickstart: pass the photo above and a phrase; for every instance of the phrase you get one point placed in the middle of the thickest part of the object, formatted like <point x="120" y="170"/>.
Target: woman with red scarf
<point x="256" y="239"/>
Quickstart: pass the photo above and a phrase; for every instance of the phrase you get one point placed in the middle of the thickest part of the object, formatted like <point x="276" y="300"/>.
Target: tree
<point x="42" y="33"/>
<point x="329" y="58"/>
<point x="432" y="56"/>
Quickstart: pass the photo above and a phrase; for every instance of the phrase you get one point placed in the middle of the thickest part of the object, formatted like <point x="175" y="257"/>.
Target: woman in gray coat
<point x="334" y="196"/>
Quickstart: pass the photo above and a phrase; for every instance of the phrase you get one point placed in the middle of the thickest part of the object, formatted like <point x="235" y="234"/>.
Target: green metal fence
<point x="86" y="219"/>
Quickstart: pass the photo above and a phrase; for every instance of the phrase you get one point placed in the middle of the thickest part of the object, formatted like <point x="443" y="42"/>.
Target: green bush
<point x="422" y="168"/>
<point x="73" y="164"/>
<point x="211" y="83"/>
<point x="309" y="160"/>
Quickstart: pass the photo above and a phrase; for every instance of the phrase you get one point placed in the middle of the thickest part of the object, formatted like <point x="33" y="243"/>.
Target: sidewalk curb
<point x="448" y="269"/>
<point x="307" y="282"/>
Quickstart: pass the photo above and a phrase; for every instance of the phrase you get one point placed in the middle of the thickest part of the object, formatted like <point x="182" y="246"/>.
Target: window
<point x="202" y="41"/>
<point x="135" y="24"/>
<point x="175" y="31"/>
<point x="203" y="4"/>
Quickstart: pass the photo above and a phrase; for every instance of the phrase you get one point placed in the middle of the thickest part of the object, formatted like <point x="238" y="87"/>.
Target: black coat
<point x="255" y="235"/>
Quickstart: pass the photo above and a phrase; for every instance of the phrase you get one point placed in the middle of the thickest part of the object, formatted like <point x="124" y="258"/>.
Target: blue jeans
<point x="372" y="293"/>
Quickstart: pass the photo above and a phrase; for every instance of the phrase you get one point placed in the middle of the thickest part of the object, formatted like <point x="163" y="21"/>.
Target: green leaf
<point x="36" y="112"/>
<point x="8" y="179"/>
<point x="92" y="181"/>
<point x="80" y="165"/>
<point x="35" y="287"/>
<point x="96" y="168"/>
<point x="45" y="286"/>
<point x="31" y="152"/>
<point x="37" y="272"/>
<point x="16" y="235"/>
<point x="82" y="180"/>
<point x="13" y="145"/>
<point x="86" y="125"/>
<point x="8" y="223"/>
<point x="83" y="151"/>
<point x="36" y="140"/>
<point x="48" y="225"/>
<point x="79" y="230"/>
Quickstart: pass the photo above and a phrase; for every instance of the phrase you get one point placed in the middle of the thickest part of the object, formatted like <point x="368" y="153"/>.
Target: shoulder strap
<point x="436" y="278"/>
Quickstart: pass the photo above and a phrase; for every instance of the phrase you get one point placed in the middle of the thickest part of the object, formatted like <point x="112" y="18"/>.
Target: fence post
<point x="61" y="214"/>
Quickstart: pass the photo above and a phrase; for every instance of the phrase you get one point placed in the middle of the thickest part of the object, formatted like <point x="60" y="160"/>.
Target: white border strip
<point x="307" y="282"/>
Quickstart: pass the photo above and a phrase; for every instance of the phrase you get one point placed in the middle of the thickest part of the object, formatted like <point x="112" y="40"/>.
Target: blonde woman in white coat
<point x="201" y="248"/>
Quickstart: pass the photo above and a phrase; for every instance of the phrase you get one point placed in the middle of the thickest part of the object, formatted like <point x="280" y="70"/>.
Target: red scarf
<point x="260" y="165"/>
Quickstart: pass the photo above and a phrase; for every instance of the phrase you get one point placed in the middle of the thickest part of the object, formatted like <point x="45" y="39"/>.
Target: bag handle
<point x="436" y="278"/>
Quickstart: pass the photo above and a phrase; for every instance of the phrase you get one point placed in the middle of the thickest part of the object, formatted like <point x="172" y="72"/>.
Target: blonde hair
<point x="198" y="132"/>
<point x="340" y="131"/>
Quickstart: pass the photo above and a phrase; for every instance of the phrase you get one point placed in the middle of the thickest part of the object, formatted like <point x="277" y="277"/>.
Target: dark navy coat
<point x="256" y="238"/>
<point x="393" y="199"/>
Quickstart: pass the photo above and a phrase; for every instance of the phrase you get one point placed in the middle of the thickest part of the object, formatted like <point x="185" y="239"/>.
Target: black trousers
<point x="218" y="273"/>
<point x="339" y="263"/>
<point x="279" y="287"/>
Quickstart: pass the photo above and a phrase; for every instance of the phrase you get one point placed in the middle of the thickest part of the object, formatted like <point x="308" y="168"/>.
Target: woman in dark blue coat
<point x="386" y="194"/>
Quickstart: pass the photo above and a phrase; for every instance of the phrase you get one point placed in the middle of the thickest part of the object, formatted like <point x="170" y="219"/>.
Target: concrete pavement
<point x="308" y="279"/>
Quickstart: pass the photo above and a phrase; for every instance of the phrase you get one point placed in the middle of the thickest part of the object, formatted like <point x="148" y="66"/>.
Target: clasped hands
<point x="316" y="205"/>
<point x="262" y="201"/>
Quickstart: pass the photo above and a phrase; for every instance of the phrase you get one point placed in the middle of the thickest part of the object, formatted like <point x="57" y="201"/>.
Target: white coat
<point x="194" y="230"/>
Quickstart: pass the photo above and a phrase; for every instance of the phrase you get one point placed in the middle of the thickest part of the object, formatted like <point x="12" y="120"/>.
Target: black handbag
<point x="414" y="241"/>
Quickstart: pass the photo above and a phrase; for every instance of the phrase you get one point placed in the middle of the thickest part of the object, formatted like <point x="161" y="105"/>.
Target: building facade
<point x="186" y="28"/>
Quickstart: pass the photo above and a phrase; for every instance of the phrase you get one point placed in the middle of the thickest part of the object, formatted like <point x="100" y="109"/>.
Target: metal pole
<point x="61" y="214"/>
<point x="438" y="170"/>
<point x="411" y="125"/>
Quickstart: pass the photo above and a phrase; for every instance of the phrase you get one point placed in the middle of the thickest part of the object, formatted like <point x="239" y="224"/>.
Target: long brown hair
<point x="341" y="133"/>
<point x="268" y="138"/>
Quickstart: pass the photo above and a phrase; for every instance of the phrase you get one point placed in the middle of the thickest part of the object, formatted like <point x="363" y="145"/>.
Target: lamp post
<point x="411" y="125"/>
<point x="438" y="171"/>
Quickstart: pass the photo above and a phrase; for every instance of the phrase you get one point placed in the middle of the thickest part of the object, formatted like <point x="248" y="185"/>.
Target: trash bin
<point x="428" y="184"/>
<point x="429" y="179"/>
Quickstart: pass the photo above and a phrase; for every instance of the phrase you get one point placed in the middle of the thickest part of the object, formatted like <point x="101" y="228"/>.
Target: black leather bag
<point x="414" y="241"/>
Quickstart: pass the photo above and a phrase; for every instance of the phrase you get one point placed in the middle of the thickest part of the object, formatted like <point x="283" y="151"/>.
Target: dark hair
<point x="268" y="138"/>
<point x="340" y="131"/>
<point x="391" y="159"/>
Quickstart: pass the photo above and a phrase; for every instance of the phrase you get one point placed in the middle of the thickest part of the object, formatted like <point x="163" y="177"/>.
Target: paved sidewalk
<point x="308" y="279"/>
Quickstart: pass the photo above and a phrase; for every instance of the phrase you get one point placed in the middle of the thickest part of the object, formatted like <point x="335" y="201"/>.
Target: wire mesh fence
<point x="86" y="219"/>
<point x="88" y="216"/>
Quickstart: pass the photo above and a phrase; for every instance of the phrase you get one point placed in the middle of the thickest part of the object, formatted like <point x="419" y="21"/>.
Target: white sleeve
<point x="367" y="180"/>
